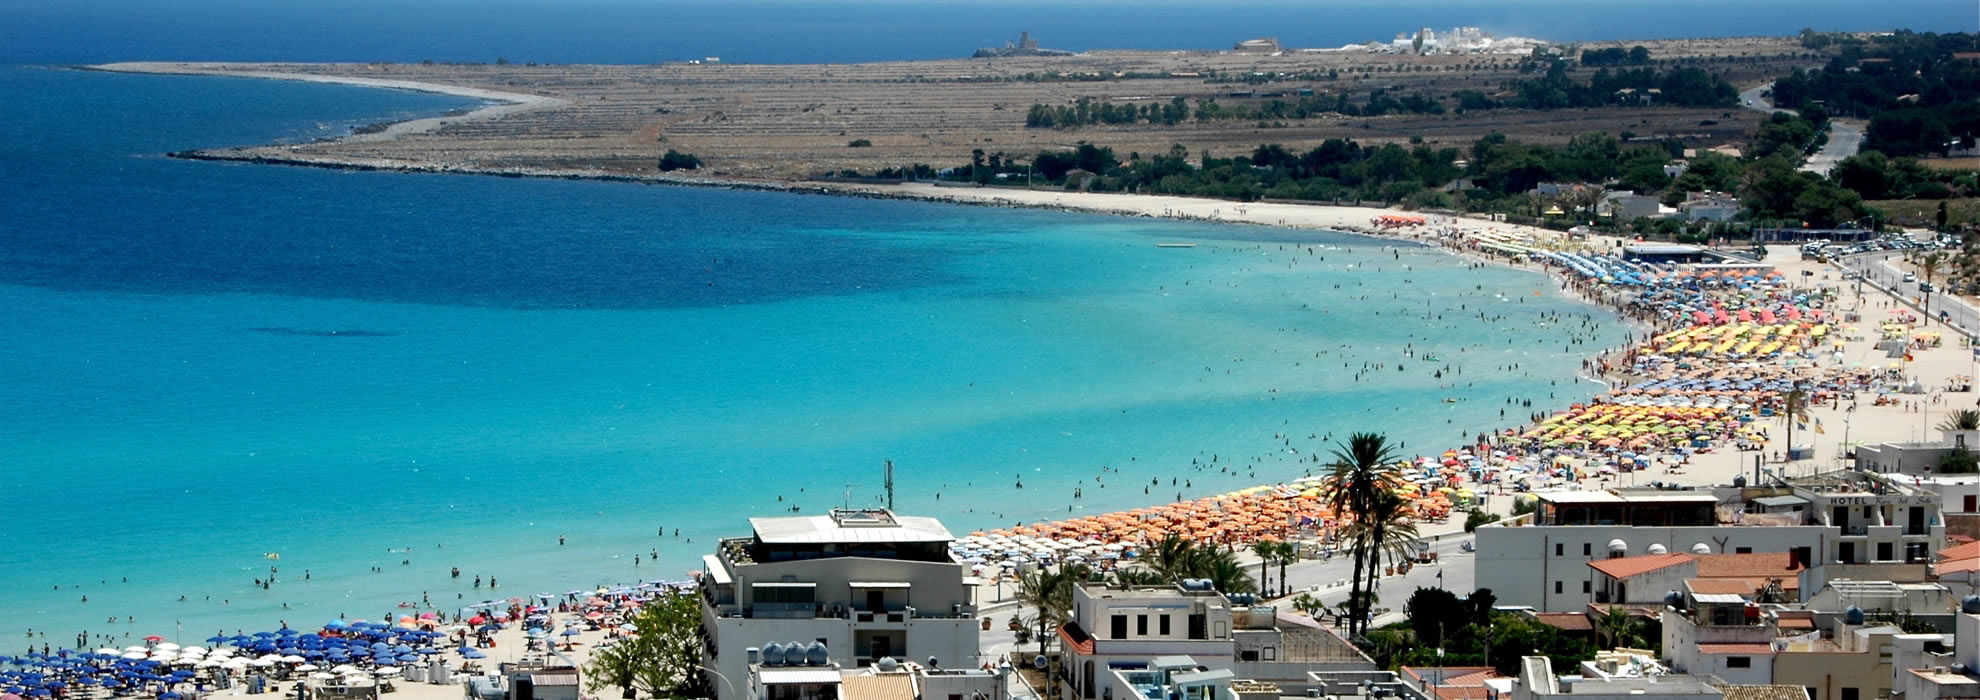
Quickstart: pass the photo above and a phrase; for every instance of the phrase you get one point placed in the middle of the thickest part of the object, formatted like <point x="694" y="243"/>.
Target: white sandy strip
<point x="510" y="102"/>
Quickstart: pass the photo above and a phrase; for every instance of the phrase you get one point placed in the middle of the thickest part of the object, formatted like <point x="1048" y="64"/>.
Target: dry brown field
<point x="790" y="121"/>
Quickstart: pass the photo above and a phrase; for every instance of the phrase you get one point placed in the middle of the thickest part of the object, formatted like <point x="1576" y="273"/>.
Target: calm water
<point x="205" y="363"/>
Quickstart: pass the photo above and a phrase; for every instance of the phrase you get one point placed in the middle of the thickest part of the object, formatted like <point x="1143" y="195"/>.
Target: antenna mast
<point x="890" y="484"/>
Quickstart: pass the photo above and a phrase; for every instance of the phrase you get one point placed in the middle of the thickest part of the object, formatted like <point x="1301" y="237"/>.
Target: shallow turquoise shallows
<point x="380" y="377"/>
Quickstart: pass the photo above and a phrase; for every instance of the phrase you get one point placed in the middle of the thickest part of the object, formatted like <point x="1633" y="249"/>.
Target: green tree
<point x="1363" y="467"/>
<point x="1049" y="590"/>
<point x="660" y="657"/>
<point x="1794" y="409"/>
<point x="1435" y="614"/>
<point x="1622" y="629"/>
<point x="1961" y="419"/>
<point x="676" y="160"/>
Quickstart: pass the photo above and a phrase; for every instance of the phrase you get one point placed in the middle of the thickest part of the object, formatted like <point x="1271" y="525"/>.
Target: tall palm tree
<point x="1390" y="531"/>
<point x="1794" y="407"/>
<point x="1265" y="551"/>
<point x="1961" y="419"/>
<point x="1285" y="553"/>
<point x="1930" y="263"/>
<point x="1363" y="467"/>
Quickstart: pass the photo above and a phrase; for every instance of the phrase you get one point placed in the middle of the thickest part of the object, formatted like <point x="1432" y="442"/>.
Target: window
<point x="1968" y="503"/>
<point x="1739" y="662"/>
<point x="1587" y="586"/>
<point x="1117" y="629"/>
<point x="1849" y="694"/>
<point x="1141" y="625"/>
<point x="1742" y="550"/>
<point x="1163" y="625"/>
<point x="1557" y="586"/>
<point x="1560" y="549"/>
<point x="1587" y="549"/>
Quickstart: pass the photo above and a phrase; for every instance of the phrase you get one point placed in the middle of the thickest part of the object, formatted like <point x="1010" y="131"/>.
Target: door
<point x="883" y="646"/>
<point x="1842" y="518"/>
<point x="1846" y="552"/>
<point x="1914" y="523"/>
<point x="876" y="601"/>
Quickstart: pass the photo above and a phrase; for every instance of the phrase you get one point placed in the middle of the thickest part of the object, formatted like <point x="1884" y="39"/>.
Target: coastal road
<point x="1845" y="137"/>
<point x="1878" y="271"/>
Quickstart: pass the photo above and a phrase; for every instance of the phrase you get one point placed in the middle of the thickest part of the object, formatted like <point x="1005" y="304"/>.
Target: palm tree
<point x="1794" y="407"/>
<point x="1363" y="467"/>
<point x="1225" y="573"/>
<point x="1050" y="590"/>
<point x="1130" y="576"/>
<point x="1282" y="555"/>
<point x="1172" y="557"/>
<point x="1930" y="263"/>
<point x="1266" y="551"/>
<point x="1961" y="419"/>
<point x="1623" y="629"/>
<point x="1390" y="531"/>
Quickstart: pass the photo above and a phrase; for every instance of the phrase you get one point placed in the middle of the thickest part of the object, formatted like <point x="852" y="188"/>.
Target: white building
<point x="1113" y="629"/>
<point x="856" y="586"/>
<point x="1541" y="560"/>
<point x="887" y="680"/>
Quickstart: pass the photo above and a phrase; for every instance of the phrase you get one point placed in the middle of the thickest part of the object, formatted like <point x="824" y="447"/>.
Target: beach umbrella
<point x="474" y="654"/>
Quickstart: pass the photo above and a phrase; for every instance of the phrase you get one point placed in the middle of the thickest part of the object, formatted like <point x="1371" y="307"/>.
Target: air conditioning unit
<point x="1312" y="692"/>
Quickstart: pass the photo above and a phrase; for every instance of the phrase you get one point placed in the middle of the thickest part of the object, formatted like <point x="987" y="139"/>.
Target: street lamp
<point x="725" y="681"/>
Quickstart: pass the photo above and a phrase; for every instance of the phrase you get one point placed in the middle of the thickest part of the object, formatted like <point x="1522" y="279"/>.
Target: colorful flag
<point x="1818" y="427"/>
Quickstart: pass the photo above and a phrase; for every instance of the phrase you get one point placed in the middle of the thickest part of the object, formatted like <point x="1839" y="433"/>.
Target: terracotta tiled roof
<point x="1076" y="638"/>
<point x="1625" y="567"/>
<point x="1565" y="621"/>
<point x="1760" y="565"/>
<point x="1764" y="692"/>
<point x="1466" y="692"/>
<point x="1720" y="586"/>
<point x="1957" y="565"/>
<point x="877" y="687"/>
<point x="1794" y="623"/>
<point x="1965" y="551"/>
<point x="1735" y="649"/>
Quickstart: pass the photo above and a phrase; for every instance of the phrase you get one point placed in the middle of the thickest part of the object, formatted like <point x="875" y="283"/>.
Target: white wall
<point x="1519" y="564"/>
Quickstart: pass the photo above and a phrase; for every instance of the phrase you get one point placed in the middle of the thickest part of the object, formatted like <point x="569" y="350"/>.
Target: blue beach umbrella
<point x="474" y="654"/>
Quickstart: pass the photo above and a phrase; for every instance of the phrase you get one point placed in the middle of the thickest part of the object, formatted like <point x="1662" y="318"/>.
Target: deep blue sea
<point x="382" y="376"/>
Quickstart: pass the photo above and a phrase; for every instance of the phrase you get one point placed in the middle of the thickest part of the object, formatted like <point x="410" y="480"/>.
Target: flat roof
<point x="823" y="529"/>
<point x="1663" y="249"/>
<point x="1777" y="501"/>
<point x="880" y="584"/>
<point x="1602" y="497"/>
<point x="785" y="584"/>
<point x="1201" y="677"/>
<point x="716" y="572"/>
<point x="788" y="676"/>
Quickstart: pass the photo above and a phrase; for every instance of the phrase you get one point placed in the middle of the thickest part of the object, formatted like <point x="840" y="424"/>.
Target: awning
<point x="796" y="676"/>
<point x="715" y="571"/>
<point x="879" y="584"/>
<point x="784" y="584"/>
<point x="1781" y="501"/>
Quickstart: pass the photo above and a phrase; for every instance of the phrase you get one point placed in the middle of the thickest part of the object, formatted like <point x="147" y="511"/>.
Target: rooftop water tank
<point x="1618" y="545"/>
<point x="887" y="664"/>
<point x="817" y="655"/>
<point x="1658" y="549"/>
<point x="1854" y="615"/>
<point x="773" y="654"/>
<point x="1701" y="548"/>
<point x="1674" y="599"/>
<point x="1971" y="605"/>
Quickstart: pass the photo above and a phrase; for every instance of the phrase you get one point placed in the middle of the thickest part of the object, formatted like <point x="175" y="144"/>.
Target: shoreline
<point x="506" y="102"/>
<point x="1342" y="219"/>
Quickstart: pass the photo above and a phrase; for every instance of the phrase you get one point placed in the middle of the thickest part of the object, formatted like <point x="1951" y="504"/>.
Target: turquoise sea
<point x="382" y="376"/>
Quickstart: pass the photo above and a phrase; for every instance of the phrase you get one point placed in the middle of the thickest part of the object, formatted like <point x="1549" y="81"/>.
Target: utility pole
<point x="890" y="484"/>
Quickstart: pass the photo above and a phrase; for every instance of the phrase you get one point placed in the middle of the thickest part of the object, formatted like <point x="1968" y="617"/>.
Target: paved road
<point x="1879" y="271"/>
<point x="1845" y="137"/>
<point x="1751" y="99"/>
